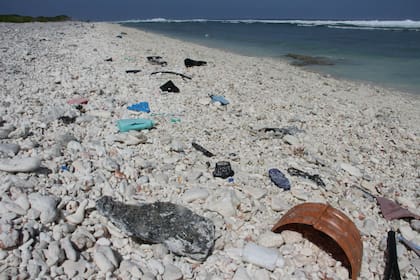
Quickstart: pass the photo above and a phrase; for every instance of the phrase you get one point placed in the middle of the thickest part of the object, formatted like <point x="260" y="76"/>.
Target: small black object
<point x="296" y="172"/>
<point x="119" y="36"/>
<point x="223" y="170"/>
<point x="80" y="108"/>
<point x="190" y="63"/>
<point x="156" y="60"/>
<point x="169" y="86"/>
<point x="171" y="72"/>
<point x="278" y="178"/>
<point x="109" y="59"/>
<point x="132" y="71"/>
<point x="392" y="271"/>
<point x="201" y="149"/>
<point x="67" y="120"/>
<point x="281" y="132"/>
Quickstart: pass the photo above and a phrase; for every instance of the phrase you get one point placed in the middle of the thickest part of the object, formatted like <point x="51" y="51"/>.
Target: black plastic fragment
<point x="190" y="62"/>
<point x="67" y="120"/>
<point x="223" y="170"/>
<point x="169" y="86"/>
<point x="134" y="71"/>
<point x="315" y="178"/>
<point x="171" y="72"/>
<point x="202" y="149"/>
<point x="156" y="60"/>
<point x="108" y="59"/>
<point x="392" y="271"/>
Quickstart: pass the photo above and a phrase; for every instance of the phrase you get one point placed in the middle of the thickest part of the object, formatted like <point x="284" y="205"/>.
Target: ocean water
<point x="380" y="52"/>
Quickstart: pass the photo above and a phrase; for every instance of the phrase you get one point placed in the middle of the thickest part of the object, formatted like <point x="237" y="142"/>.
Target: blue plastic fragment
<point x="64" y="168"/>
<point x="140" y="107"/>
<point x="231" y="180"/>
<point x="278" y="178"/>
<point x="219" y="98"/>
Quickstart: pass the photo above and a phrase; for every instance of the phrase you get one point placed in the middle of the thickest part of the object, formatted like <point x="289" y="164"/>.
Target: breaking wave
<point x="344" y="24"/>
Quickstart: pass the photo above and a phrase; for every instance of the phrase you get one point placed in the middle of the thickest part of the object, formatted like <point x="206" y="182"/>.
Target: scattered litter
<point x="281" y="132"/>
<point x="109" y="59"/>
<point x="67" y="120"/>
<point x="64" y="168"/>
<point x="328" y="228"/>
<point x="392" y="271"/>
<point x="190" y="62"/>
<point x="315" y="178"/>
<point x="134" y="124"/>
<point x="181" y="230"/>
<point x="156" y="60"/>
<point x="202" y="149"/>
<point x="409" y="244"/>
<point x="171" y="72"/>
<point x="391" y="210"/>
<point x="78" y="101"/>
<point x="169" y="86"/>
<point x="140" y="107"/>
<point x="134" y="71"/>
<point x="278" y="178"/>
<point x="175" y="120"/>
<point x="223" y="170"/>
<point x="220" y="99"/>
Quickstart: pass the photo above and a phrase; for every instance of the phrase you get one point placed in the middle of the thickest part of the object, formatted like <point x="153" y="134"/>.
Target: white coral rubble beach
<point x="57" y="159"/>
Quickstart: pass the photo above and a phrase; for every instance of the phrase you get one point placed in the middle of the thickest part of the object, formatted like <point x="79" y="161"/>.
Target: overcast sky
<point x="216" y="9"/>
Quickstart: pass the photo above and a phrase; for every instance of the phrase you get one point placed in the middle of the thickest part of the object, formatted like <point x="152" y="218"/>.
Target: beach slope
<point x="58" y="158"/>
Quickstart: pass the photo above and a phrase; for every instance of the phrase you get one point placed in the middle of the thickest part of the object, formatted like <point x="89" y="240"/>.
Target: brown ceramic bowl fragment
<point x="328" y="228"/>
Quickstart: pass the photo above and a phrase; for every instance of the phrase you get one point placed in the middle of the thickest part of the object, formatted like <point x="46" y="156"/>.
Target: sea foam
<point x="349" y="24"/>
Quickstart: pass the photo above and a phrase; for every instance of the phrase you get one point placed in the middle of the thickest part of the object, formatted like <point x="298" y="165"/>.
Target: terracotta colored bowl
<point x="328" y="228"/>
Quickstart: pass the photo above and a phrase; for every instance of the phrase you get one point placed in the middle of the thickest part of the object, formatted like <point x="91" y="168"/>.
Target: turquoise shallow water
<point x="381" y="52"/>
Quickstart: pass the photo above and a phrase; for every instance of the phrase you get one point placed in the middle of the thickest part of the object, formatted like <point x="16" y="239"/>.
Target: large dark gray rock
<point x="182" y="231"/>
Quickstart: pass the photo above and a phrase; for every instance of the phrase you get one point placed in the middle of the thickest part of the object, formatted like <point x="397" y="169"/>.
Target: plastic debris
<point x="190" y="62"/>
<point x="140" y="107"/>
<point x="223" y="170"/>
<point x="64" y="168"/>
<point x="169" y="86"/>
<point x="278" y="178"/>
<point x="108" y="59"/>
<point x="171" y="72"/>
<point x="67" y="120"/>
<point x="281" y="132"/>
<point x="134" y="124"/>
<point x="181" y="230"/>
<point x="392" y="271"/>
<point x="220" y="99"/>
<point x="134" y="71"/>
<point x="156" y="60"/>
<point x="202" y="149"/>
<point x="409" y="244"/>
<point x="391" y="210"/>
<point x="330" y="229"/>
<point x="78" y="101"/>
<point x="315" y="178"/>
